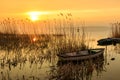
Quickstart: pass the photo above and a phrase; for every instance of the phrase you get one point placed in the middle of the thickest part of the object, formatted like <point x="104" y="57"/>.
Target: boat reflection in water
<point x="78" y="70"/>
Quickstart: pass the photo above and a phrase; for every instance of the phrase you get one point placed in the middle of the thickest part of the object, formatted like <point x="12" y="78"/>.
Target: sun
<point x="34" y="16"/>
<point x="37" y="15"/>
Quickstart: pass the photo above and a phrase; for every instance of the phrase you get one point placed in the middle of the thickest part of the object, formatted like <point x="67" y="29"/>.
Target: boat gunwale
<point x="82" y="57"/>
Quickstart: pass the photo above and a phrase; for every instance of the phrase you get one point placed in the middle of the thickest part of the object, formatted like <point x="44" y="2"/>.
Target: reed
<point x="21" y="47"/>
<point x="41" y="46"/>
<point x="115" y="30"/>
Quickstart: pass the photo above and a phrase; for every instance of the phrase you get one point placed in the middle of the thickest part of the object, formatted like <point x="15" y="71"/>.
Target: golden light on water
<point x="34" y="39"/>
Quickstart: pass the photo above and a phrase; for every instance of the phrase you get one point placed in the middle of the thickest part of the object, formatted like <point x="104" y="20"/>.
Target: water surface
<point x="33" y="61"/>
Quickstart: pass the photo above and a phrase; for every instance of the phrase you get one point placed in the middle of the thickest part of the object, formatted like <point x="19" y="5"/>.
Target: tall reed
<point x="24" y="42"/>
<point x="115" y="30"/>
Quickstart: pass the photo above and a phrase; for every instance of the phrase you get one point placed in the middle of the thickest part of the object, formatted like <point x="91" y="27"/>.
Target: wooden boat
<point x="81" y="55"/>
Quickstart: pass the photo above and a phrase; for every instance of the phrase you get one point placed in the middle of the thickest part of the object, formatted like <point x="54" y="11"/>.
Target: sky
<point x="94" y="12"/>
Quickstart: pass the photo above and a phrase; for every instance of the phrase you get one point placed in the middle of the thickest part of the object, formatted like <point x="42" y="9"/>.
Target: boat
<point x="81" y="55"/>
<point x="108" y="41"/>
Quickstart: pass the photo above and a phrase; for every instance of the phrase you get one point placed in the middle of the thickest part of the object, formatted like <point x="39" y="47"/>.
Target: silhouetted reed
<point x="24" y="43"/>
<point x="115" y="30"/>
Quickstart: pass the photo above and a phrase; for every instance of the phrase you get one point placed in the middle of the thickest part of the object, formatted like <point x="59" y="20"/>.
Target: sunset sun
<point x="34" y="16"/>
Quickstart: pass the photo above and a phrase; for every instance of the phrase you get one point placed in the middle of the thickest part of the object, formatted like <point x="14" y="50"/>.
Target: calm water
<point x="42" y="63"/>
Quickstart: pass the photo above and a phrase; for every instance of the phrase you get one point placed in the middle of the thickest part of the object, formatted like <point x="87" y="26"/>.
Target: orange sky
<point x="88" y="10"/>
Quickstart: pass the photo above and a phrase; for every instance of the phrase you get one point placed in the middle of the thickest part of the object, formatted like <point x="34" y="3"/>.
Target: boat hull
<point x="83" y="57"/>
<point x="108" y="41"/>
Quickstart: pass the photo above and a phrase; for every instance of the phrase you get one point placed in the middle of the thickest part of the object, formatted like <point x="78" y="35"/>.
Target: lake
<point x="37" y="60"/>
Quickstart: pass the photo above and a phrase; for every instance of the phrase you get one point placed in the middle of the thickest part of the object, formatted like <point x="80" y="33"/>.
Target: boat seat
<point x="83" y="52"/>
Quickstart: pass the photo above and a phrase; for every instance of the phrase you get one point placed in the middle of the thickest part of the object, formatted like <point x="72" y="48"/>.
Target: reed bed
<point x="24" y="43"/>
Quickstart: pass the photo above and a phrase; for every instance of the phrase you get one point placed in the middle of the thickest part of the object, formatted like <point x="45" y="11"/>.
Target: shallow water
<point x="41" y="64"/>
